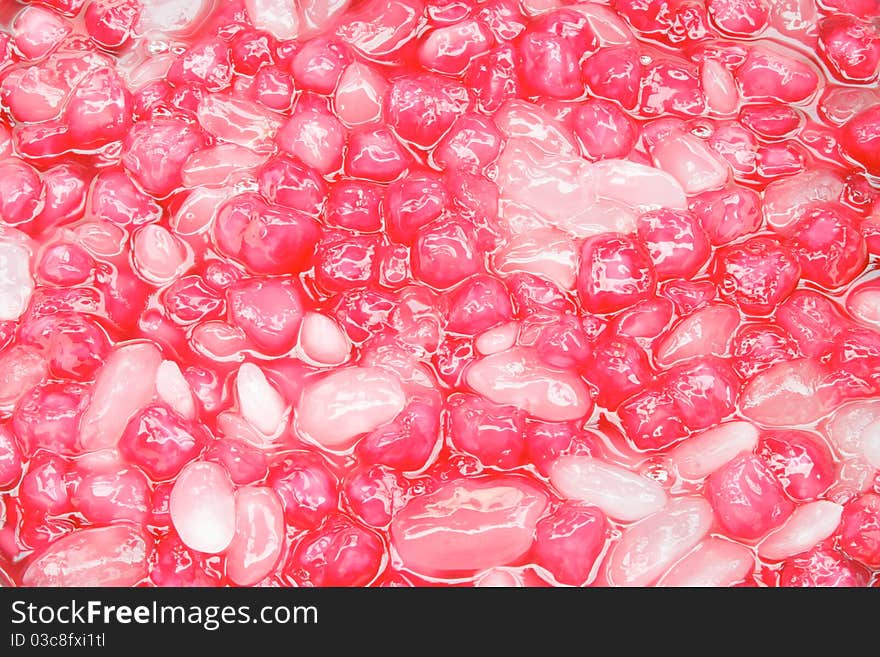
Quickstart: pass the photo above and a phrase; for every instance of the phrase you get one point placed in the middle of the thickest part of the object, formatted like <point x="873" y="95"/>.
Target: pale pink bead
<point x="518" y="378"/>
<point x="497" y="339"/>
<point x="259" y="401"/>
<point x="172" y="16"/>
<point x="705" y="452"/>
<point x="240" y="122"/>
<point x="101" y="238"/>
<point x="787" y="393"/>
<point x="714" y="562"/>
<point x="174" y="390"/>
<point x="693" y="164"/>
<point x="359" y="95"/>
<point x="16" y="284"/>
<point x="259" y="535"/>
<point x="322" y="340"/>
<point x="720" y="87"/>
<point x="338" y="408"/>
<point x="521" y="119"/>
<point x="202" y="507"/>
<point x="805" y="528"/>
<point x="219" y="340"/>
<point x="637" y="186"/>
<point x="544" y="252"/>
<point x="223" y="163"/>
<point x="125" y="384"/>
<point x="648" y="548"/>
<point x="468" y="525"/>
<point x="622" y="494"/>
<point x="97" y="556"/>
<point x="707" y="332"/>
<point x="159" y="257"/>
<point x="198" y="210"/>
<point x="278" y="17"/>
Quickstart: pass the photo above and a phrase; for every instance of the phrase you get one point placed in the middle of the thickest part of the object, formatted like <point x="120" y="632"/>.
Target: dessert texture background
<point x="439" y="292"/>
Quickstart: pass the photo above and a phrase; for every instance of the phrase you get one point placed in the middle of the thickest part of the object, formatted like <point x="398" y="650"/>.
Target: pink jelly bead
<point x="768" y="75"/>
<point x="771" y="120"/>
<point x="307" y="489"/>
<point x="812" y="320"/>
<point x="273" y="88"/>
<point x="705" y="390"/>
<point x="338" y="553"/>
<point x="550" y="66"/>
<point x="287" y="182"/>
<point x="619" y="368"/>
<point x="850" y="47"/>
<point x="110" y="22"/>
<point x="688" y="296"/>
<point x="189" y="299"/>
<point x="375" y="155"/>
<point x="161" y="442"/>
<point x="678" y="245"/>
<point x="154" y="153"/>
<point x="756" y="347"/>
<point x="672" y="22"/>
<point x="491" y="432"/>
<point x="318" y="65"/>
<point x="45" y="485"/>
<point x="651" y="419"/>
<point x="747" y="497"/>
<point x="245" y="464"/>
<point x="604" y="130"/>
<point x="20" y="191"/>
<point x="420" y="109"/>
<point x="317" y="137"/>
<point x="345" y="261"/>
<point x="267" y="239"/>
<point x="739" y="17"/>
<point x="445" y="253"/>
<point x="66" y="186"/>
<point x="569" y="540"/>
<point x="860" y="530"/>
<point x="478" y="304"/>
<point x="177" y="565"/>
<point x="860" y="139"/>
<point x="672" y="87"/>
<point x="801" y="461"/>
<point x="728" y="214"/>
<point x="450" y="49"/>
<point x="469" y="524"/>
<point x="614" y="73"/>
<point x="406" y="443"/>
<point x="413" y="202"/>
<point x="757" y="274"/>
<point x="106" y="497"/>
<point x="48" y="417"/>
<point x="251" y="49"/>
<point x="115" y="197"/>
<point x="74" y="343"/>
<point x="472" y="143"/>
<point x="615" y="272"/>
<point x="376" y="494"/>
<point x="269" y="311"/>
<point x="830" y="248"/>
<point x="10" y="459"/>
<point x="546" y="441"/>
<point x="823" y="566"/>
<point x="65" y="264"/>
<point x="563" y="344"/>
<point x="355" y="205"/>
